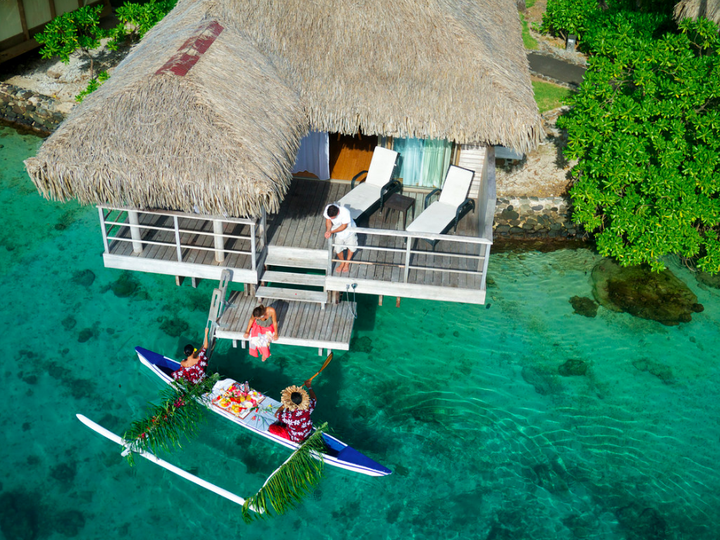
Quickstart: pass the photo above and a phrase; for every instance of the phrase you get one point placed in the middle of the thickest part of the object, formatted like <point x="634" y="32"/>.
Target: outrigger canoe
<point x="338" y="454"/>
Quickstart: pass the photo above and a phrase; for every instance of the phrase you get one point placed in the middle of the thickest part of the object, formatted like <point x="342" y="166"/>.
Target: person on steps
<point x="262" y="330"/>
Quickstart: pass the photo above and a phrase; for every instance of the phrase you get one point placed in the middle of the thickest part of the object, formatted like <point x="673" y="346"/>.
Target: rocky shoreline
<point x="25" y="109"/>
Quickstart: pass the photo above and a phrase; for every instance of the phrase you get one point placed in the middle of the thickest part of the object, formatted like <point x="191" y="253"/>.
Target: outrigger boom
<point x="164" y="464"/>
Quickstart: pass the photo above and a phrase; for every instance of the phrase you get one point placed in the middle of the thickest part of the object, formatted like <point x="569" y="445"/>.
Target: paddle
<point x="327" y="361"/>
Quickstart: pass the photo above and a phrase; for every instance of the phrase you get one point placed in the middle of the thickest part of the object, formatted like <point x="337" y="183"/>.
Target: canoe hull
<point x="342" y="455"/>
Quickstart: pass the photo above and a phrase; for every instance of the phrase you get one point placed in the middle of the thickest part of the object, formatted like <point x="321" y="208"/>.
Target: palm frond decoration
<point x="292" y="481"/>
<point x="177" y="416"/>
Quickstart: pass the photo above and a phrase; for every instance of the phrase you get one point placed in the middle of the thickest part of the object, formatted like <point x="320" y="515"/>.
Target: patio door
<point x="350" y="154"/>
<point x="423" y="162"/>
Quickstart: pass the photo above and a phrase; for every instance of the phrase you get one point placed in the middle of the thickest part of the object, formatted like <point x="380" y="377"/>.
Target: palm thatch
<point x="710" y="9"/>
<point x="207" y="112"/>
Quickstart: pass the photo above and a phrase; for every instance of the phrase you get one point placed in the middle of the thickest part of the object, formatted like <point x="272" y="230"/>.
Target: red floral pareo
<point x="298" y="423"/>
<point x="193" y="374"/>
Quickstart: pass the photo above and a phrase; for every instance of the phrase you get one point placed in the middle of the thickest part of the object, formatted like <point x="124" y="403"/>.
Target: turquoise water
<point x="464" y="403"/>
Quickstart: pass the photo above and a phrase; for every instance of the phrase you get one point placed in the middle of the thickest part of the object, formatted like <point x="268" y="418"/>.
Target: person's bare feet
<point x="345" y="268"/>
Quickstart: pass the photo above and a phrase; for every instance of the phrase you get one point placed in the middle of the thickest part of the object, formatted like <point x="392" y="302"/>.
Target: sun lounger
<point x="378" y="184"/>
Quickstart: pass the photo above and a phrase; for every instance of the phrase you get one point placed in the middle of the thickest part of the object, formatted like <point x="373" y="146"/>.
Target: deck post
<point x="253" y="245"/>
<point x="330" y="257"/>
<point x="486" y="252"/>
<point x="103" y="229"/>
<point x="177" y="239"/>
<point x="407" y="258"/>
<point x="219" y="240"/>
<point x="135" y="231"/>
<point x="263" y="231"/>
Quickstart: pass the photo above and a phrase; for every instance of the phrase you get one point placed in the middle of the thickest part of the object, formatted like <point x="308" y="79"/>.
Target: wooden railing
<point x="440" y="253"/>
<point x="188" y="233"/>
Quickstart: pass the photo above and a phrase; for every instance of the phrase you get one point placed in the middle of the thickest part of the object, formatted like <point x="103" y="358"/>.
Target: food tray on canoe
<point x="230" y="396"/>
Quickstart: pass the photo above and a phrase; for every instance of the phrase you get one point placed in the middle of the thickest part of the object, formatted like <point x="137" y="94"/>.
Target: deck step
<point x="313" y="259"/>
<point x="290" y="278"/>
<point x="298" y="295"/>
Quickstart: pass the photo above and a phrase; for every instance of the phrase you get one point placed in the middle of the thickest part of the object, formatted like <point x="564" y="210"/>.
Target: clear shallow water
<point x="464" y="403"/>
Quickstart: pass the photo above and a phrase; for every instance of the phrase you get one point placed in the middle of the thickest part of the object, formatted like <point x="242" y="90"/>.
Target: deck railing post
<point x="135" y="231"/>
<point x="409" y="241"/>
<point x="253" y="244"/>
<point x="486" y="259"/>
<point x="263" y="232"/>
<point x="177" y="238"/>
<point x="329" y="265"/>
<point x="103" y="229"/>
<point x="219" y="240"/>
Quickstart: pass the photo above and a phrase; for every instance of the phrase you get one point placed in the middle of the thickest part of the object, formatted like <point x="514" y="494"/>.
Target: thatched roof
<point x="710" y="9"/>
<point x="209" y="109"/>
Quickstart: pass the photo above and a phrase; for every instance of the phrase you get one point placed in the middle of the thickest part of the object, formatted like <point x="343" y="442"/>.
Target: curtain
<point x="314" y="155"/>
<point x="423" y="162"/>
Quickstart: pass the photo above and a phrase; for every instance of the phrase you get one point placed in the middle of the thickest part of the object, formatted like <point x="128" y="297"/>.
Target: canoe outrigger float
<point x="338" y="453"/>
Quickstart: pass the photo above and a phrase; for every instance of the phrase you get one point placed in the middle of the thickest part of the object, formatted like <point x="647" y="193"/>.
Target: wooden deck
<point x="300" y="323"/>
<point x="390" y="261"/>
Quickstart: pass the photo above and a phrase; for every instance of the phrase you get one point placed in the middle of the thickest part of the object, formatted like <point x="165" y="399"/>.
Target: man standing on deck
<point x="339" y="222"/>
<point x="293" y="416"/>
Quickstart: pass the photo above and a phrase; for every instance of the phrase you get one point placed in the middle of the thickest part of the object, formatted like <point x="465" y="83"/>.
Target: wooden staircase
<point x="303" y="269"/>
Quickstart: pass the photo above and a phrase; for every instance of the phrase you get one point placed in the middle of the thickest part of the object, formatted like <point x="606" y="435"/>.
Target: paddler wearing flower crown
<point x="293" y="416"/>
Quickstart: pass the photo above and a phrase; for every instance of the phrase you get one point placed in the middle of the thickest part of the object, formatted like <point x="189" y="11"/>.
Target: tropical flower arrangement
<point x="178" y="415"/>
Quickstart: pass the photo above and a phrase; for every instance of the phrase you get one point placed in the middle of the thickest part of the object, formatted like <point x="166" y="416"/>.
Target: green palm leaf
<point x="291" y="482"/>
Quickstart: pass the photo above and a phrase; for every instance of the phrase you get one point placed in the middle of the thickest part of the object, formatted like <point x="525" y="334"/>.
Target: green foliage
<point x="563" y="17"/>
<point x="645" y="127"/>
<point x="137" y="19"/>
<point x="70" y="31"/>
<point x="93" y="85"/>
<point x="292" y="481"/>
<point x="549" y="96"/>
<point x="176" y="417"/>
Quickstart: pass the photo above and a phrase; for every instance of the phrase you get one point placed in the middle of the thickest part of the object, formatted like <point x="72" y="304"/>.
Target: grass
<point x="549" y="96"/>
<point x="528" y="41"/>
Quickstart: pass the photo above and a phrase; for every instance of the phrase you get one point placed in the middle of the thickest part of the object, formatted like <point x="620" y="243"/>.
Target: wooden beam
<point x="53" y="10"/>
<point x="23" y="19"/>
<point x="380" y="300"/>
<point x="397" y="302"/>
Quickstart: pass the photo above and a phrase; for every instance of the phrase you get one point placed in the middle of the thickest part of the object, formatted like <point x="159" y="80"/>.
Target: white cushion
<point x="434" y="218"/>
<point x="360" y="199"/>
<point x="457" y="186"/>
<point x="381" y="166"/>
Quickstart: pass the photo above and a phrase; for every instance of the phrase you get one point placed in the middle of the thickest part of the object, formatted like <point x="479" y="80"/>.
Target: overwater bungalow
<point x="216" y="144"/>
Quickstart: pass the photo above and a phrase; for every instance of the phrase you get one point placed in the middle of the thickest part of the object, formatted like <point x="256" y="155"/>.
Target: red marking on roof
<point x="190" y="52"/>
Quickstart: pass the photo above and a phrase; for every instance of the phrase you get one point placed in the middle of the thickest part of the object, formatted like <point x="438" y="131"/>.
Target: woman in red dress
<point x="193" y="367"/>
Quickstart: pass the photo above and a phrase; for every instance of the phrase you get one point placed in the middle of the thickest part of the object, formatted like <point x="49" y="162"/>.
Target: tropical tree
<point x="645" y="129"/>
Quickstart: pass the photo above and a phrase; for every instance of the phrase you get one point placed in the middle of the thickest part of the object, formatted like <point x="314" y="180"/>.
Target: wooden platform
<point x="302" y="324"/>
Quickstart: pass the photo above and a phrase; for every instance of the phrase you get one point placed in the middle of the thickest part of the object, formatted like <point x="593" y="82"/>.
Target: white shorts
<point x="349" y="242"/>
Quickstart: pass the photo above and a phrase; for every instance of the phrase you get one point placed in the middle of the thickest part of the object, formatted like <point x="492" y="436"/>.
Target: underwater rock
<point x="85" y="334"/>
<point x="662" y="372"/>
<point x="69" y="322"/>
<point x="708" y="279"/>
<point x="84" y="278"/>
<point x="636" y="290"/>
<point x="642" y="523"/>
<point x="363" y="344"/>
<point x="125" y="286"/>
<point x="64" y="473"/>
<point x="584" y="306"/>
<point x="19" y="515"/>
<point x="541" y="381"/>
<point x="549" y="478"/>
<point x="174" y="327"/>
<point x="573" y="368"/>
<point x="69" y="523"/>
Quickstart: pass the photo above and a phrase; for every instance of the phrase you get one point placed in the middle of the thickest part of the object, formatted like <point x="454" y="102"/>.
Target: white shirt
<point x="342" y="218"/>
